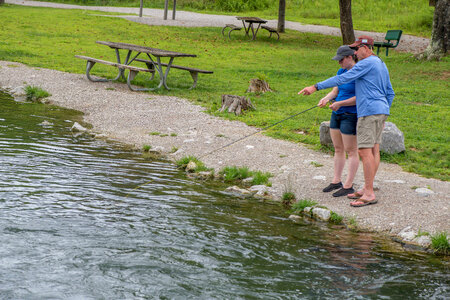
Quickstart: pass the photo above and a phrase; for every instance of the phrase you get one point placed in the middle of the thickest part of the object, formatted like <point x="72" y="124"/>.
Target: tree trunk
<point x="141" y="7"/>
<point x="281" y="15"/>
<point x="439" y="45"/>
<point x="2" y="2"/>
<point x="345" y="8"/>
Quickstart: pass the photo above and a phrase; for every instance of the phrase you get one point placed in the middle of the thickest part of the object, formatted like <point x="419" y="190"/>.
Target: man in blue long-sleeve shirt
<point x="374" y="95"/>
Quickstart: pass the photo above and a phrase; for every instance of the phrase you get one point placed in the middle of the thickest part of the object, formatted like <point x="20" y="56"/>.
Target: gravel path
<point x="408" y="43"/>
<point x="129" y="117"/>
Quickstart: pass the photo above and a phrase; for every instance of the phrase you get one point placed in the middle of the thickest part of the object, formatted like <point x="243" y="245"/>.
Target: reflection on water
<point x="69" y="230"/>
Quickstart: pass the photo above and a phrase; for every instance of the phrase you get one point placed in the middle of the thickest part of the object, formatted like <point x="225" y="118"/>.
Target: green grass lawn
<point x="412" y="16"/>
<point x="50" y="38"/>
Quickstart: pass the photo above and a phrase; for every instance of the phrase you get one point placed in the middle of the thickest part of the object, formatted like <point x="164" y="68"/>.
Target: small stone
<point x="238" y="191"/>
<point x="395" y="181"/>
<point x="18" y="91"/>
<point x="205" y="175"/>
<point x="424" y="192"/>
<point x="158" y="149"/>
<point x="321" y="213"/>
<point x="260" y="190"/>
<point x="189" y="141"/>
<point x="295" y="218"/>
<point x="78" y="128"/>
<point x="191" y="166"/>
<point x="250" y="147"/>
<point x="46" y="123"/>
<point x="319" y="177"/>
<point x="424" y="241"/>
<point x="307" y="209"/>
<point x="247" y="180"/>
<point x="407" y="233"/>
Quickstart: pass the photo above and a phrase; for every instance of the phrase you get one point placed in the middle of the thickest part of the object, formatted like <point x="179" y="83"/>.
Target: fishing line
<point x="238" y="140"/>
<point x="262" y="129"/>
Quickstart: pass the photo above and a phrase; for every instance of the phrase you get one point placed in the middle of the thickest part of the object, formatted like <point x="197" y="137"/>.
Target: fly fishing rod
<point x="262" y="129"/>
<point x="242" y="138"/>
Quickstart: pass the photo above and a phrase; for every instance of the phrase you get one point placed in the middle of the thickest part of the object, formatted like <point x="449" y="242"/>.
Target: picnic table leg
<point x="89" y="65"/>
<point x="167" y="72"/>
<point x="256" y="31"/>
<point x="247" y="29"/>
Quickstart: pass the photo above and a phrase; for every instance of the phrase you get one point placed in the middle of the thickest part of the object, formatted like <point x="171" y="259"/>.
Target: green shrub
<point x="302" y="204"/>
<point x="146" y="148"/>
<point x="288" y="198"/>
<point x="439" y="243"/>
<point x="234" y="173"/>
<point x="183" y="162"/>
<point x="35" y="93"/>
<point x="260" y="177"/>
<point x="335" y="218"/>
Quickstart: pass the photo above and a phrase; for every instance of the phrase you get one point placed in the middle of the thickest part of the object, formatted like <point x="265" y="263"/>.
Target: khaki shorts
<point x="369" y="129"/>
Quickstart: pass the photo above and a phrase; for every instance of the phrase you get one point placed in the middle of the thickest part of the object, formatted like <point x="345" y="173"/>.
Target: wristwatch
<point x="317" y="88"/>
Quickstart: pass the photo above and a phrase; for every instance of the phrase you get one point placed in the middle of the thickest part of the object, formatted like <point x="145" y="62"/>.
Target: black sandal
<point x="343" y="192"/>
<point x="332" y="186"/>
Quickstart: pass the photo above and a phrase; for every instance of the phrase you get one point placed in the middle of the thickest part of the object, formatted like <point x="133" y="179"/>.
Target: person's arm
<point x="390" y="93"/>
<point x="330" y="96"/>
<point x="360" y="69"/>
<point x="309" y="90"/>
<point x="347" y="102"/>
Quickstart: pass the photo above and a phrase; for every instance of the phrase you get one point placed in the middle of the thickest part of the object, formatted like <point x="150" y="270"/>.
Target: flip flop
<point x="354" y="195"/>
<point x="363" y="202"/>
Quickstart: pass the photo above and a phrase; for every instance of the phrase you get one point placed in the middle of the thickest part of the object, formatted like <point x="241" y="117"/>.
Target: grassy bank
<point x="50" y="38"/>
<point x="413" y="16"/>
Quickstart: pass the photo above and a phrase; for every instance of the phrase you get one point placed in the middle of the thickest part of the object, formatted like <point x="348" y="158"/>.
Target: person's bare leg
<point x="369" y="168"/>
<point x="351" y="148"/>
<point x="339" y="154"/>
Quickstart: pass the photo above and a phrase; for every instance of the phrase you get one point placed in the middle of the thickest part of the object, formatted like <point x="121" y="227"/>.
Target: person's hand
<point x="322" y="102"/>
<point x="308" y="90"/>
<point x="335" y="106"/>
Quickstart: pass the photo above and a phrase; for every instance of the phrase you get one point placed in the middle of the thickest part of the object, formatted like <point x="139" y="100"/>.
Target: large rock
<point x="325" y="137"/>
<point x="392" y="139"/>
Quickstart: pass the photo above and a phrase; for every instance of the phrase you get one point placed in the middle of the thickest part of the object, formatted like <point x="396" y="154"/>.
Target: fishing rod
<point x="262" y="129"/>
<point x="240" y="139"/>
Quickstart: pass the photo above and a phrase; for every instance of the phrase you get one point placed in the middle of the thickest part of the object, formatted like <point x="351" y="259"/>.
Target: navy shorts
<point x="345" y="122"/>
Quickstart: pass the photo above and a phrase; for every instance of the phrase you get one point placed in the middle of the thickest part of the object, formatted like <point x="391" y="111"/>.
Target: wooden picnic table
<point x="251" y="21"/>
<point x="154" y="55"/>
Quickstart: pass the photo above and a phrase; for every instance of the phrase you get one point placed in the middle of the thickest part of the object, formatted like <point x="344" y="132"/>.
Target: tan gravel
<point x="129" y="117"/>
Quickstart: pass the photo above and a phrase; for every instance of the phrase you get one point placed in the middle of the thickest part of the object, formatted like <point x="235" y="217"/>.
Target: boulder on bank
<point x="392" y="139"/>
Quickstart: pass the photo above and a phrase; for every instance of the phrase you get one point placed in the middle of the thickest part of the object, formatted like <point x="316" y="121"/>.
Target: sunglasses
<point x="357" y="47"/>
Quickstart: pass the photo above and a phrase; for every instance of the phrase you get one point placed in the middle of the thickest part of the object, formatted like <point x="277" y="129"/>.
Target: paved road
<point x="408" y="43"/>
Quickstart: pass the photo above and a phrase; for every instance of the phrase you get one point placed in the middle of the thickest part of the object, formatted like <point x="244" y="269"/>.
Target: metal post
<point x="174" y="9"/>
<point x="141" y="7"/>
<point x="166" y="6"/>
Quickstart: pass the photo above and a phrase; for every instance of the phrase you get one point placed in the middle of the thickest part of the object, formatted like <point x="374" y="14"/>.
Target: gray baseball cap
<point x="342" y="52"/>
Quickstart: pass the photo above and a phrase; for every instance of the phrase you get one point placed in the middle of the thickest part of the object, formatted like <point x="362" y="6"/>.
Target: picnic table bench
<point x="193" y="71"/>
<point x="271" y="30"/>
<point x="154" y="63"/>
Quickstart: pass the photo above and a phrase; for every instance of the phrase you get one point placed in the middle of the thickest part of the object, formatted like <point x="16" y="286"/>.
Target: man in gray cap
<point x="374" y="96"/>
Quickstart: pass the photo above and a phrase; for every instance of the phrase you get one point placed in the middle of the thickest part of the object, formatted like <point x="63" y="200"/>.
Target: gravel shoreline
<point x="129" y="117"/>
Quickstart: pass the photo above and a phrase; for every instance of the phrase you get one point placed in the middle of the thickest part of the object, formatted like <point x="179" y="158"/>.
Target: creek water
<point x="74" y="226"/>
